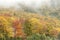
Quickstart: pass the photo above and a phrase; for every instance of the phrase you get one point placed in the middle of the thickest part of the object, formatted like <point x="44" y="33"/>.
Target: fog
<point x="35" y="3"/>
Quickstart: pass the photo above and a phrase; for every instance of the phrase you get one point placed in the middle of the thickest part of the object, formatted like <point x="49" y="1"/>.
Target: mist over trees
<point x="52" y="9"/>
<point x="25" y="22"/>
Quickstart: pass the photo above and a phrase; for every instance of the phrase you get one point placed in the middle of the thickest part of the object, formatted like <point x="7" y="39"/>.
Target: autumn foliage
<point x="27" y="25"/>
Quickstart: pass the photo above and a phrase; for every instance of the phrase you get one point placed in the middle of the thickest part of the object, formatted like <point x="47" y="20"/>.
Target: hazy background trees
<point x="51" y="9"/>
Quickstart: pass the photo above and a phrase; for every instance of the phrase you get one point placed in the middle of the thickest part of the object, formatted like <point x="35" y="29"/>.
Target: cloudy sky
<point x="8" y="3"/>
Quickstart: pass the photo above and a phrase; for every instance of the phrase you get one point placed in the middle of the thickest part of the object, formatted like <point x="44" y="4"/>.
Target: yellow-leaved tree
<point x="6" y="29"/>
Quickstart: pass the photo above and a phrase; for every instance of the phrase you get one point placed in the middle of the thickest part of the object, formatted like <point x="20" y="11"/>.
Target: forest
<point x="26" y="23"/>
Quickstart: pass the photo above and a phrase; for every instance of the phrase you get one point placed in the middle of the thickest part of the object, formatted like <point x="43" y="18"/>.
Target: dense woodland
<point x="26" y="23"/>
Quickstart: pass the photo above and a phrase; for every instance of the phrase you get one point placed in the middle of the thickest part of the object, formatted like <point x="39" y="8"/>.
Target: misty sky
<point x="8" y="3"/>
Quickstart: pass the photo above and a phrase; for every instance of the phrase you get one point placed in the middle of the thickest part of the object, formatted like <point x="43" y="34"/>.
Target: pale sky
<point x="8" y="3"/>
